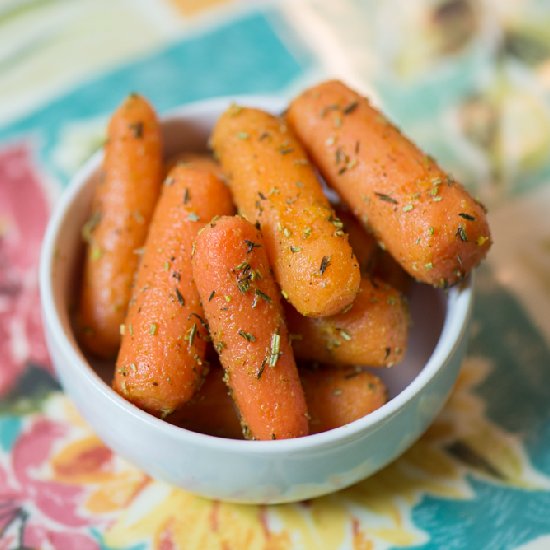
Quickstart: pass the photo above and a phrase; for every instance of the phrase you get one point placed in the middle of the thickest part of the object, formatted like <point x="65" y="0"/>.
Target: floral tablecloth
<point x="468" y="79"/>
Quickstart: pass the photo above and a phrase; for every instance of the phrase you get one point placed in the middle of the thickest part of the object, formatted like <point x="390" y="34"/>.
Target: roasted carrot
<point x="274" y="185"/>
<point x="161" y="360"/>
<point x="373" y="332"/>
<point x="121" y="211"/>
<point x="211" y="411"/>
<point x="426" y="220"/>
<point x="373" y="260"/>
<point x="362" y="242"/>
<point x="336" y="397"/>
<point x="242" y="306"/>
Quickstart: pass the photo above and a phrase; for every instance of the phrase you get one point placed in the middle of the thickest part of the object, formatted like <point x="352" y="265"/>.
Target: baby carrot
<point x="121" y="211"/>
<point x="242" y="305"/>
<point x="373" y="261"/>
<point x="211" y="411"/>
<point x="362" y="242"/>
<point x="336" y="397"/>
<point x="274" y="185"/>
<point x="373" y="332"/>
<point x="161" y="360"/>
<point x="426" y="220"/>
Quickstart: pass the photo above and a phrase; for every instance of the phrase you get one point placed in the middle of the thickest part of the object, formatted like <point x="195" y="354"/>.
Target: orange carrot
<point x="242" y="305"/>
<point x="373" y="261"/>
<point x="211" y="411"/>
<point x="427" y="221"/>
<point x="274" y="185"/>
<point x="121" y="211"/>
<point x="362" y="242"/>
<point x="336" y="397"/>
<point x="161" y="360"/>
<point x="373" y="332"/>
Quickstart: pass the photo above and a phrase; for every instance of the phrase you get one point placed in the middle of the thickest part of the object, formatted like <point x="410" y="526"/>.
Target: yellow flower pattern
<point x="373" y="514"/>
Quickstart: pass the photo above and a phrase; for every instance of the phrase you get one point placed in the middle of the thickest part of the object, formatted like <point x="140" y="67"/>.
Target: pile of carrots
<point x="175" y="283"/>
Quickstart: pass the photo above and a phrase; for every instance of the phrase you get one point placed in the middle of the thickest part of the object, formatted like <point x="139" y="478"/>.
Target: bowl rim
<point x="452" y="331"/>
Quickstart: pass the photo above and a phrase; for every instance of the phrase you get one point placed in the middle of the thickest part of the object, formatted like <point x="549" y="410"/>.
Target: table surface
<point x="469" y="81"/>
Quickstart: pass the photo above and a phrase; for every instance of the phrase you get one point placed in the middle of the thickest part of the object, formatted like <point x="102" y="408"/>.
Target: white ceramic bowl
<point x="245" y="471"/>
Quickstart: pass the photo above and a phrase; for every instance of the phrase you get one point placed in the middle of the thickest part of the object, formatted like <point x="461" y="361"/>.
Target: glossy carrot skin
<point x="274" y="185"/>
<point x="242" y="305"/>
<point x="362" y="242"/>
<point x="373" y="261"/>
<point x="336" y="397"/>
<point x="161" y="361"/>
<point x="426" y="220"/>
<point x="211" y="411"/>
<point x="373" y="332"/>
<point x="121" y="211"/>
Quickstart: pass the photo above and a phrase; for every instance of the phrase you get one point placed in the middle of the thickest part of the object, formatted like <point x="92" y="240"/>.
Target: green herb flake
<point x="90" y="225"/>
<point x="385" y="198"/>
<point x="131" y="329"/>
<point x="337" y="222"/>
<point x="481" y="240"/>
<point x="137" y="129"/>
<point x="408" y="207"/>
<point x="243" y="135"/>
<point x="344" y="334"/>
<point x="153" y="328"/>
<point x="325" y="262"/>
<point x="220" y="346"/>
<point x="295" y="249"/>
<point x="429" y="266"/>
<point x="227" y="298"/>
<point x="438" y="198"/>
<point x="250" y="246"/>
<point x="348" y="109"/>
<point x="180" y="298"/>
<point x="212" y="294"/>
<point x="166" y="266"/>
<point x="467" y="216"/>
<point x="261" y="369"/>
<point x="307" y="232"/>
<point x="461" y="234"/>
<point x="96" y="252"/>
<point x="246" y="335"/>
<point x="275" y="349"/>
<point x="431" y="230"/>
<point x="193" y="217"/>
<point x="191" y="333"/>
<point x="186" y="196"/>
<point x="259" y="294"/>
